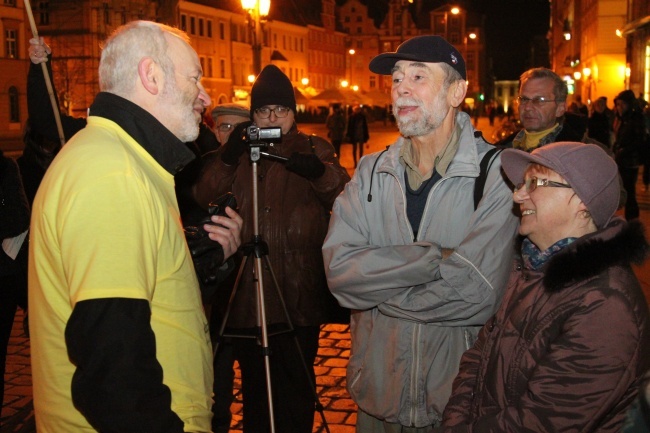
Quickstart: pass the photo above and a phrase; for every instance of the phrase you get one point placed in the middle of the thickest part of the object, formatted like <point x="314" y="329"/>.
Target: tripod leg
<point x="222" y="327"/>
<point x="318" y="406"/>
<point x="261" y="319"/>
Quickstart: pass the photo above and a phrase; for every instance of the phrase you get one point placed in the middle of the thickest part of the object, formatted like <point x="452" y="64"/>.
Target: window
<point x="192" y="25"/>
<point x="201" y="26"/>
<point x="222" y="68"/>
<point x="359" y="19"/>
<point x="347" y="19"/>
<point x="11" y="44"/>
<point x="14" y="107"/>
<point x="209" y="72"/>
<point x="202" y="62"/>
<point x="234" y="32"/>
<point x="44" y="13"/>
<point x="373" y="81"/>
<point x="184" y="22"/>
<point x="107" y="15"/>
<point x="10" y="2"/>
<point x="209" y="29"/>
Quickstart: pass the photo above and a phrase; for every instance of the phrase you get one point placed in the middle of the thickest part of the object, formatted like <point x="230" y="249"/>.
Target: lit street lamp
<point x="257" y="9"/>
<point x="351" y="52"/>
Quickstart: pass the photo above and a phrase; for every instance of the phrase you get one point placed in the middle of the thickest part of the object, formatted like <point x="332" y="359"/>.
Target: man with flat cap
<point x="408" y="250"/>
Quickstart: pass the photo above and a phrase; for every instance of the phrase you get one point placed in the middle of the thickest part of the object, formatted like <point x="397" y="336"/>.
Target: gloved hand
<point x="307" y="165"/>
<point x="236" y="144"/>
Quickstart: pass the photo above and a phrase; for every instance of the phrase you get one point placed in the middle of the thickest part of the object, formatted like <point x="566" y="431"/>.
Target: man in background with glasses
<point x="226" y="117"/>
<point x="294" y="199"/>
<point x="543" y="114"/>
<point x="542" y="107"/>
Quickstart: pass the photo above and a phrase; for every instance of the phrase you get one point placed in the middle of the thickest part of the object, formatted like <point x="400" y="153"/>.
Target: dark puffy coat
<point x="293" y="220"/>
<point x="567" y="349"/>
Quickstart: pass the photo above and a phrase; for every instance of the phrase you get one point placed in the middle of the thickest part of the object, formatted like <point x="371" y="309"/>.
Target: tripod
<point x="259" y="250"/>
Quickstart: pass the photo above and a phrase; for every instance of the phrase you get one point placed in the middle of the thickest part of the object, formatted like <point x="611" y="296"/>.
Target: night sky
<point x="510" y="27"/>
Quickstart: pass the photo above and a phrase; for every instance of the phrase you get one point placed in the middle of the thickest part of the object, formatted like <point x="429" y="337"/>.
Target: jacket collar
<point x="620" y="243"/>
<point x="464" y="163"/>
<point x="171" y="153"/>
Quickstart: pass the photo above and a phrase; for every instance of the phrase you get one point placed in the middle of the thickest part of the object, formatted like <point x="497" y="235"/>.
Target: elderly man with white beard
<point x="421" y="264"/>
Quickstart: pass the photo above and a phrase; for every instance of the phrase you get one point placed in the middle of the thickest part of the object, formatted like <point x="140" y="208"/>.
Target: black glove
<point x="236" y="144"/>
<point x="307" y="165"/>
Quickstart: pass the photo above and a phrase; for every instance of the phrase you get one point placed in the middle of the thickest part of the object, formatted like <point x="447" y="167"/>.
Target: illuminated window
<point x="11" y="44"/>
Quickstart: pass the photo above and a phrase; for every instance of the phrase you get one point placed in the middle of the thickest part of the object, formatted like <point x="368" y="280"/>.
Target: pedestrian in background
<point x="335" y="124"/>
<point x="14" y="224"/>
<point x="598" y="126"/>
<point x="420" y="266"/>
<point x="357" y="132"/>
<point x="569" y="346"/>
<point x="119" y="338"/>
<point x="630" y="137"/>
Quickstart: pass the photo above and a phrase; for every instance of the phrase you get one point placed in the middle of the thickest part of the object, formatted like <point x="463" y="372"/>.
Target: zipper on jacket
<point x="415" y="368"/>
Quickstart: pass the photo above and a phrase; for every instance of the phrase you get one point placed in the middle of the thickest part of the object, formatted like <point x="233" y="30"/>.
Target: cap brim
<point x="515" y="162"/>
<point x="383" y="64"/>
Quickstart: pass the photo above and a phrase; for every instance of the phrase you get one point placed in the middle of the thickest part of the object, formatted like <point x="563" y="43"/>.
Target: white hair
<point x="127" y="46"/>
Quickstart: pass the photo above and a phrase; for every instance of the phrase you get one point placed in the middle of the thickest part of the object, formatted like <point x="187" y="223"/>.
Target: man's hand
<point x="38" y="50"/>
<point x="226" y="231"/>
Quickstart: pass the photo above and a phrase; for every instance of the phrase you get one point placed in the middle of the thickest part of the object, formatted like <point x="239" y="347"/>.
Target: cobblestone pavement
<point x="339" y="409"/>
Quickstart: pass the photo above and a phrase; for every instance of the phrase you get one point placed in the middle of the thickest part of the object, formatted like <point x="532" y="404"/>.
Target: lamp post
<point x="257" y="10"/>
<point x="351" y="52"/>
<point x="470" y="63"/>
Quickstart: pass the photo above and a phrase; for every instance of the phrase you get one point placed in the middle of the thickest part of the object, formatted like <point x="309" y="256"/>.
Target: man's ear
<point x="457" y="93"/>
<point x="148" y="72"/>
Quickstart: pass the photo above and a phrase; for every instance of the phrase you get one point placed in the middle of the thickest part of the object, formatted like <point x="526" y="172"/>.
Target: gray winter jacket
<point x="415" y="313"/>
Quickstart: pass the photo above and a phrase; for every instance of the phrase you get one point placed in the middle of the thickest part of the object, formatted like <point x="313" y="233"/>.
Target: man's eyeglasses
<point x="533" y="183"/>
<point x="265" y="112"/>
<point x="537" y="101"/>
<point x="225" y="127"/>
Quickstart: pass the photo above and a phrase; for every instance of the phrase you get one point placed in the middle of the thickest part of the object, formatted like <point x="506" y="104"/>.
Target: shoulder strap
<point x="485" y="165"/>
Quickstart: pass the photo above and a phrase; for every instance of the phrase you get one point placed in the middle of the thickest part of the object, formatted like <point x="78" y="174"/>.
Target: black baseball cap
<point x="427" y="49"/>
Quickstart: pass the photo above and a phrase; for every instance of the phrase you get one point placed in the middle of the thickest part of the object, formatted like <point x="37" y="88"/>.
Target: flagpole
<point x="48" y="82"/>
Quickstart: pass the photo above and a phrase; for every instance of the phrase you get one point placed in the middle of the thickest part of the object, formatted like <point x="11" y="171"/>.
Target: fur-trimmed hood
<point x="620" y="243"/>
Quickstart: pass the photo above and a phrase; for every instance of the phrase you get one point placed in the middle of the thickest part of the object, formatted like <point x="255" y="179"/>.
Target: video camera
<point x="259" y="137"/>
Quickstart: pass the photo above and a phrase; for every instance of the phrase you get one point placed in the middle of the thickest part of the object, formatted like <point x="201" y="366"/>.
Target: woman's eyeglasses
<point x="532" y="183"/>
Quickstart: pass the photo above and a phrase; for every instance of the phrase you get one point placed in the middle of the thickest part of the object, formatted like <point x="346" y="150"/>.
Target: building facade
<point x="636" y="33"/>
<point x="585" y="49"/>
<point x="14" y="64"/>
<point x="322" y="45"/>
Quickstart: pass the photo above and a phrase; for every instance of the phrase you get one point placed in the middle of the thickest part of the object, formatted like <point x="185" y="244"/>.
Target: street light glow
<point x="261" y="6"/>
<point x="305" y="81"/>
<point x="455" y="10"/>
